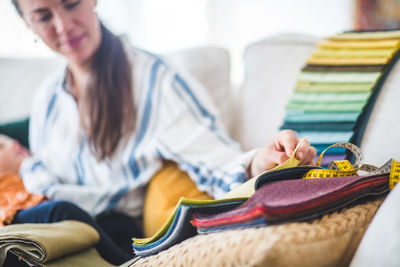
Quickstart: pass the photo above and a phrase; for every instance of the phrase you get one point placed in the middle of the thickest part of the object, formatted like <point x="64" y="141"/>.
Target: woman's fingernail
<point x="300" y="155"/>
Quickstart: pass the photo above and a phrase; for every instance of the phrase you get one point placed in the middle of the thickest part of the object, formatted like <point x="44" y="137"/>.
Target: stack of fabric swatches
<point x="294" y="200"/>
<point x="336" y="90"/>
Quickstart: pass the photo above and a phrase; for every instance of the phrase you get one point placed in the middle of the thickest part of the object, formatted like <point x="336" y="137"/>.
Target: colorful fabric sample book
<point x="337" y="87"/>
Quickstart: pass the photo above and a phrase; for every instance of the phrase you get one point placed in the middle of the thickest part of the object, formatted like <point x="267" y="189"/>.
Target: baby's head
<point x="11" y="154"/>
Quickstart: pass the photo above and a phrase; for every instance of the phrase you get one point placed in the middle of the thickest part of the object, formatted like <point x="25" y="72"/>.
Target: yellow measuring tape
<point x="340" y="168"/>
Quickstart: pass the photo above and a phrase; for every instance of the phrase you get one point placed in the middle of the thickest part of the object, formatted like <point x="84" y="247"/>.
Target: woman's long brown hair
<point x="106" y="108"/>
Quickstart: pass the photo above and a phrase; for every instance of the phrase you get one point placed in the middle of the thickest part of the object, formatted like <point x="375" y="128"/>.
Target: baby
<point x="13" y="196"/>
<point x="12" y="154"/>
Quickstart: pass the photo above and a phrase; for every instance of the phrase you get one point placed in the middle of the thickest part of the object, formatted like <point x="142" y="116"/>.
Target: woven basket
<point x="328" y="241"/>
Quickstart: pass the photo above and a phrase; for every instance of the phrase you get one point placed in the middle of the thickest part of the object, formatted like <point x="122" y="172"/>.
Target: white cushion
<point x="211" y="67"/>
<point x="272" y="66"/>
<point x="20" y="79"/>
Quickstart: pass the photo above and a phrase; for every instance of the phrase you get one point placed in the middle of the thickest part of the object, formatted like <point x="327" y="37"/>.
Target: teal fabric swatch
<point x="321" y="138"/>
<point x="321" y="117"/>
<point x="321" y="126"/>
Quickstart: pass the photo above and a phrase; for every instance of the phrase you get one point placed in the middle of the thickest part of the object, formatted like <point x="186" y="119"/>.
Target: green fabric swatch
<point x="334" y="87"/>
<point x="323" y="107"/>
<point x="345" y="68"/>
<point x="39" y="243"/>
<point x="298" y="97"/>
<point x="339" y="77"/>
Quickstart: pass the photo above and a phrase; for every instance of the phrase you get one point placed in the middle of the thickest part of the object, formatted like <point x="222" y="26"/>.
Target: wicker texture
<point x="329" y="241"/>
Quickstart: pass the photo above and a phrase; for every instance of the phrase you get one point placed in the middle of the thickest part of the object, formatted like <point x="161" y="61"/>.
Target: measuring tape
<point x="340" y="168"/>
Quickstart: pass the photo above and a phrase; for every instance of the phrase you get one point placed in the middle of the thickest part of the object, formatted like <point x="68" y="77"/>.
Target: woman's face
<point x="11" y="154"/>
<point x="69" y="27"/>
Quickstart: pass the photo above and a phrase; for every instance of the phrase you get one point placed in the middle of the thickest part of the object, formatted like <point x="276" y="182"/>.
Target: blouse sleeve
<point x="192" y="135"/>
<point x="35" y="171"/>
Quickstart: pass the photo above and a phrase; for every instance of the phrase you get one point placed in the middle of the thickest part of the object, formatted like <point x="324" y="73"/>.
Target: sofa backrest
<point x="21" y="78"/>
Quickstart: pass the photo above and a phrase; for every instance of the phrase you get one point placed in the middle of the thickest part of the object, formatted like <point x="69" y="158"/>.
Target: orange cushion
<point x="164" y="191"/>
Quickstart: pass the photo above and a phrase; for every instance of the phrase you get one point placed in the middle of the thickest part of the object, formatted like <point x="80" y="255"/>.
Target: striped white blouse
<point x="176" y="120"/>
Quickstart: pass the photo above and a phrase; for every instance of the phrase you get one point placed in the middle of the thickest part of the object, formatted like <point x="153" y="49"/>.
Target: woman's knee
<point x="52" y="211"/>
<point x="64" y="210"/>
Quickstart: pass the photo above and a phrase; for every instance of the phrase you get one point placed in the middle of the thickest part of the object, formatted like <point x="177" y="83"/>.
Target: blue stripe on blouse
<point x="203" y="111"/>
<point x="203" y="180"/>
<point x="47" y="188"/>
<point x="80" y="168"/>
<point x="117" y="197"/>
<point x="146" y="117"/>
<point x="36" y="165"/>
<point x="51" y="105"/>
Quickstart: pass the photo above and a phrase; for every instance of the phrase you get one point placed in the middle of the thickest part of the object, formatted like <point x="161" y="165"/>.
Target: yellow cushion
<point x="163" y="193"/>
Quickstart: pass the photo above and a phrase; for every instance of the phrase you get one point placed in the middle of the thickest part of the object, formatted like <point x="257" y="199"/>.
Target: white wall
<point x="165" y="25"/>
<point x="236" y="23"/>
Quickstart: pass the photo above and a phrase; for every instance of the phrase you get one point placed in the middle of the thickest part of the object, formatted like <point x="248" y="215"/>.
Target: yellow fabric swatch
<point x="348" y="61"/>
<point x="333" y="87"/>
<point x="354" y="53"/>
<point x="359" y="44"/>
<point x="379" y="35"/>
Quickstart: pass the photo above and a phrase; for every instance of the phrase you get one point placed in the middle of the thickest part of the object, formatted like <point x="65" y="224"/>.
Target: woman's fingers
<point x="278" y="150"/>
<point x="288" y="140"/>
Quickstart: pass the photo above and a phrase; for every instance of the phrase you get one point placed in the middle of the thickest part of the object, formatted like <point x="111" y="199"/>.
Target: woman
<point x="102" y="129"/>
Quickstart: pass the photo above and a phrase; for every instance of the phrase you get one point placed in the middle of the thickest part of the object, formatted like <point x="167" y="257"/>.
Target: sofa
<point x="252" y="113"/>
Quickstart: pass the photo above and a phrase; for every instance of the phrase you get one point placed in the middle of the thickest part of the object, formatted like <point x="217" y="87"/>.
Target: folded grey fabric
<point x="39" y="243"/>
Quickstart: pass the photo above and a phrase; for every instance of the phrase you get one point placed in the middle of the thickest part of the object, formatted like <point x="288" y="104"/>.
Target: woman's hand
<point x="279" y="149"/>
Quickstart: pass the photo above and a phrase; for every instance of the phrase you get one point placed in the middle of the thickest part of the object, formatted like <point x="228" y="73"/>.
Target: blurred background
<point x="163" y="26"/>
